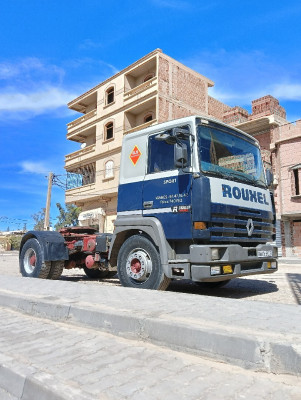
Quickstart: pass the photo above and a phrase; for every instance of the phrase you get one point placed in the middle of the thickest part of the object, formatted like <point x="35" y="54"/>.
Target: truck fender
<point x="128" y="226"/>
<point x="52" y="244"/>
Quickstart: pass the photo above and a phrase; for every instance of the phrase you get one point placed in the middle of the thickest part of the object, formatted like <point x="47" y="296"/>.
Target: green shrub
<point x="15" y="241"/>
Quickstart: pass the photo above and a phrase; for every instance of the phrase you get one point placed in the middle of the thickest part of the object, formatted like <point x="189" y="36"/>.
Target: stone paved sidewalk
<point x="257" y="335"/>
<point x="42" y="359"/>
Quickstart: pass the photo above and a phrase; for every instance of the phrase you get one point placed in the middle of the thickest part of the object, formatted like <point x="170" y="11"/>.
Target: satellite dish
<point x="83" y="145"/>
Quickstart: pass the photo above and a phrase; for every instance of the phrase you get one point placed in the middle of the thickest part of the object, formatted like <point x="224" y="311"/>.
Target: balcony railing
<point x="80" y="153"/>
<point x="82" y="119"/>
<point x="139" y="127"/>
<point x="81" y="176"/>
<point x="140" y="88"/>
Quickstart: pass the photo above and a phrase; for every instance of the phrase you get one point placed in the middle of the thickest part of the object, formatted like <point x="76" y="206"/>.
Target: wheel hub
<point x="139" y="265"/>
<point x="30" y="259"/>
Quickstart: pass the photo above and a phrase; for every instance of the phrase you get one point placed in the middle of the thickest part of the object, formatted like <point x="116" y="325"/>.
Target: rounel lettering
<point x="244" y="194"/>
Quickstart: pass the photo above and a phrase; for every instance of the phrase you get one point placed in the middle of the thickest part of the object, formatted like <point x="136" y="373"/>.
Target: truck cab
<point x="193" y="203"/>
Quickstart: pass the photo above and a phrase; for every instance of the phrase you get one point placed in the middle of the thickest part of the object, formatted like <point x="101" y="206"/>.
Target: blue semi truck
<point x="193" y="203"/>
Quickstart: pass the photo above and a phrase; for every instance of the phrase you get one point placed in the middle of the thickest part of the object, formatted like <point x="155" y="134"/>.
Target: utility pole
<point x="48" y="201"/>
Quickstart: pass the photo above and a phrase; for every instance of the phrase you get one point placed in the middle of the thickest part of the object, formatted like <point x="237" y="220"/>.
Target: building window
<point x="109" y="131"/>
<point x="296" y="185"/>
<point x="109" y="169"/>
<point x="148" y="117"/>
<point x="296" y="180"/>
<point x="148" y="77"/>
<point x="110" y="95"/>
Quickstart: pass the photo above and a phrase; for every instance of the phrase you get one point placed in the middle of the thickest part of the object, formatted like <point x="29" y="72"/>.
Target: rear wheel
<point x="31" y="260"/>
<point x="56" y="269"/>
<point x="139" y="265"/>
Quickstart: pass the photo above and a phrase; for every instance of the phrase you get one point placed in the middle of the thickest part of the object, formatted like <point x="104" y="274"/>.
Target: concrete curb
<point x="259" y="351"/>
<point x="25" y="383"/>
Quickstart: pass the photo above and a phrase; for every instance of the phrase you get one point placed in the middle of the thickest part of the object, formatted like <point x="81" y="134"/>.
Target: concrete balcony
<point x="140" y="116"/>
<point x="80" y="195"/>
<point x="80" y="156"/>
<point x="85" y="103"/>
<point x="142" y="90"/>
<point x="86" y="133"/>
<point x="140" y="127"/>
<point x="81" y="127"/>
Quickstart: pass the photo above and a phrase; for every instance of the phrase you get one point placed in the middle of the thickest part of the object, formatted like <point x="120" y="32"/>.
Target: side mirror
<point x="172" y="136"/>
<point x="269" y="177"/>
<point x="181" y="155"/>
<point x="166" y="137"/>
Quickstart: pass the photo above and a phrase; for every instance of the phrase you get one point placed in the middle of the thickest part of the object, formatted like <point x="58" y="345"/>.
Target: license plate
<point x="264" y="253"/>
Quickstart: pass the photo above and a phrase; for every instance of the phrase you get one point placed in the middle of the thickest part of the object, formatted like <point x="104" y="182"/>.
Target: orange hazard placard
<point x="135" y="155"/>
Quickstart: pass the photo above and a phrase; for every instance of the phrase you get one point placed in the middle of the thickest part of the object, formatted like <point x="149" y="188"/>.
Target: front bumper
<point x="222" y="262"/>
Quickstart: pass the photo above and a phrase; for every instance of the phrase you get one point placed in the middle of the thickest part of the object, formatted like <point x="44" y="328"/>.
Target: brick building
<point x="155" y="89"/>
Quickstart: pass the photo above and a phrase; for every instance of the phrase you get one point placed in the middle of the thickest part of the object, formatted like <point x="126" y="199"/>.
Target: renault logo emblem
<point x="250" y="227"/>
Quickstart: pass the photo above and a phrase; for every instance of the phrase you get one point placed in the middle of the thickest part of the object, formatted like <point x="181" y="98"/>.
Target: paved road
<point x="79" y="363"/>
<point x="283" y="286"/>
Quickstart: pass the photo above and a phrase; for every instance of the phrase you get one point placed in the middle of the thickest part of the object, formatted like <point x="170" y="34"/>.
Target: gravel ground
<point x="283" y="286"/>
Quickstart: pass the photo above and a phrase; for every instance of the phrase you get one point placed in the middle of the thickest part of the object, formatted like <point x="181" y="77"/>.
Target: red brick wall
<point x="189" y="89"/>
<point x="264" y="140"/>
<point x="235" y="115"/>
<point x="266" y="105"/>
<point x="289" y="155"/>
<point x="216" y="108"/>
<point x="163" y="76"/>
<point x="184" y="90"/>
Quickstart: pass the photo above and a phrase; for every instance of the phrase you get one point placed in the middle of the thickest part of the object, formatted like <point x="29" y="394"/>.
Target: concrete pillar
<point x="288" y="239"/>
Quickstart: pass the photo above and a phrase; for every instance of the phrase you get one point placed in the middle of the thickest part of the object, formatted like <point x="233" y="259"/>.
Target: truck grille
<point x="232" y="227"/>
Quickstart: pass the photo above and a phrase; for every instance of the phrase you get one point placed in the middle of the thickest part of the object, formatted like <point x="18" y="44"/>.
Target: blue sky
<point x="52" y="51"/>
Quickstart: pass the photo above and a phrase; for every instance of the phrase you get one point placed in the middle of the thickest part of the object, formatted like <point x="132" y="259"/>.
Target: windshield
<point x="226" y="154"/>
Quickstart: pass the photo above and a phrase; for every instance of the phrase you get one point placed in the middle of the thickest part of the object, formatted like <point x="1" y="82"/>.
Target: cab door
<point x="167" y="191"/>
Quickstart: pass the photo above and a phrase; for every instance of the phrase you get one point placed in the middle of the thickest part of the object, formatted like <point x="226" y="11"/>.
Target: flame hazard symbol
<point x="135" y="155"/>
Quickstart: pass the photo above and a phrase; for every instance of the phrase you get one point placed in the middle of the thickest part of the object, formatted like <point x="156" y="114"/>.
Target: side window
<point x="109" y="169"/>
<point x="109" y="131"/>
<point x="148" y="77"/>
<point x="110" y="95"/>
<point x="148" y="117"/>
<point x="161" y="155"/>
<point x="296" y="180"/>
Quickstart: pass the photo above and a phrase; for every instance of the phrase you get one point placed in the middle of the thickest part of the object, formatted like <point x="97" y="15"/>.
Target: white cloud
<point x="287" y="91"/>
<point x="89" y="44"/>
<point x="31" y="87"/>
<point x="37" y="101"/>
<point x="34" y="167"/>
<point x="30" y="68"/>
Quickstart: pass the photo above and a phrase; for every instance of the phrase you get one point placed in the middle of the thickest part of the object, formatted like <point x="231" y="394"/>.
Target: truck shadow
<point x="235" y="289"/>
<point x="295" y="284"/>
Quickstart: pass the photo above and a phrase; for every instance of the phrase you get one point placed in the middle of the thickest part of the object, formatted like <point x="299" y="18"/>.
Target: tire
<point x="56" y="269"/>
<point x="213" y="285"/>
<point x="32" y="264"/>
<point x="96" y="273"/>
<point x="139" y="265"/>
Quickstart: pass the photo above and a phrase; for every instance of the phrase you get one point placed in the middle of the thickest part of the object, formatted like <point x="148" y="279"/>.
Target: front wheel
<point x="31" y="260"/>
<point x="139" y="265"/>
